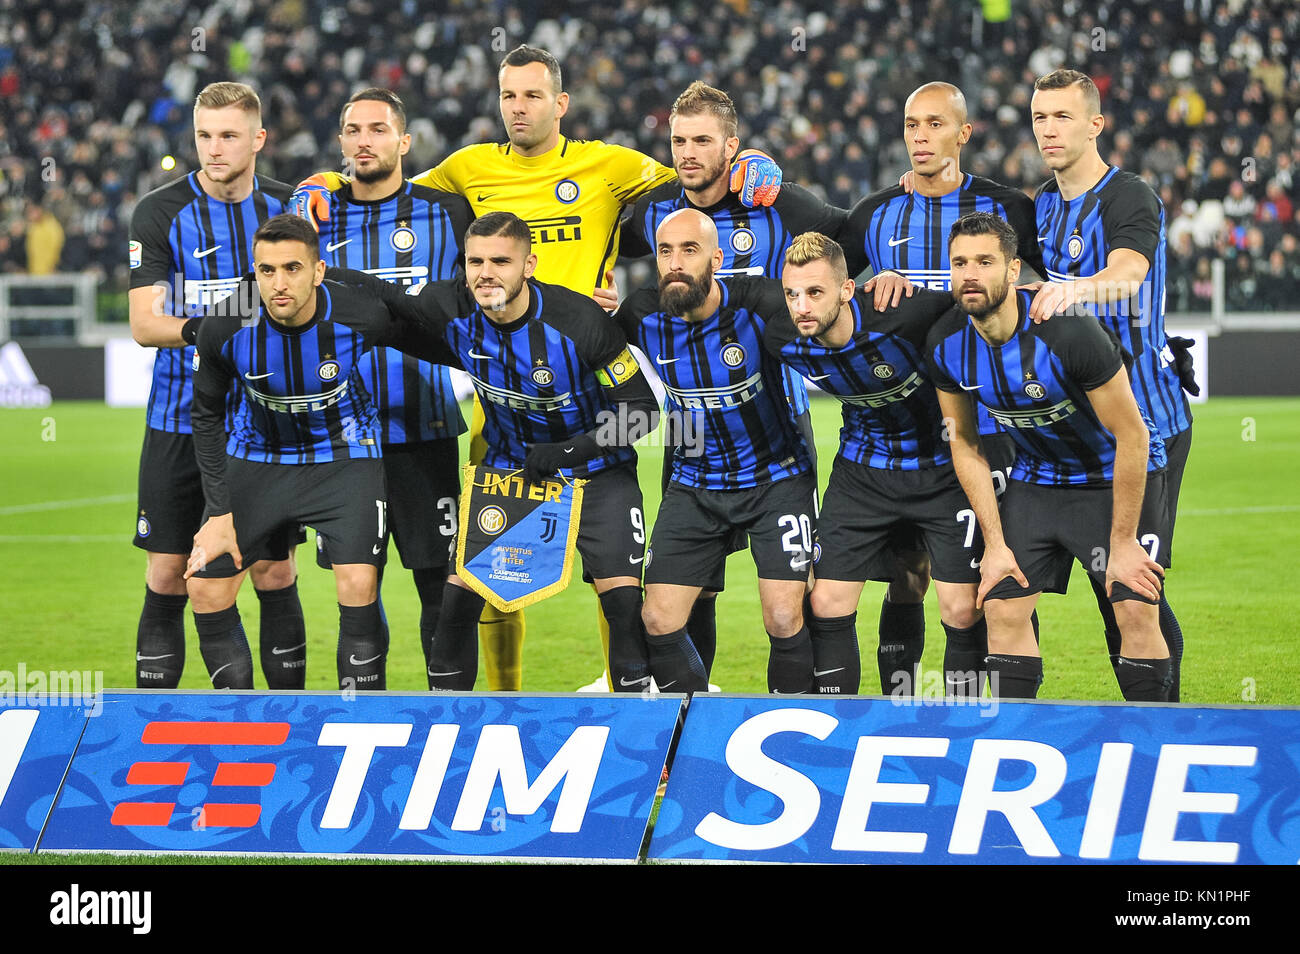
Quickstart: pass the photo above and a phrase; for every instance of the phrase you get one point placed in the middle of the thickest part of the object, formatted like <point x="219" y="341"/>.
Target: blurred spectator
<point x="44" y="240"/>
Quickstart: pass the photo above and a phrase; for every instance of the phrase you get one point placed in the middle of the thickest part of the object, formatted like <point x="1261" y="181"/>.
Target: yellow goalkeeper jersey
<point x="570" y="197"/>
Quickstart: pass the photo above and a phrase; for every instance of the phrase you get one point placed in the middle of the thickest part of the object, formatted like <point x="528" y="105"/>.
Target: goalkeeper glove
<point x="755" y="178"/>
<point x="311" y="200"/>
<point x="545" y="460"/>
<point x="1180" y="348"/>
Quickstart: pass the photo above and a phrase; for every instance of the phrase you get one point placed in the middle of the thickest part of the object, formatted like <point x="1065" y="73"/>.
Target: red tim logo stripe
<point x="215" y="733"/>
<point x="214" y="814"/>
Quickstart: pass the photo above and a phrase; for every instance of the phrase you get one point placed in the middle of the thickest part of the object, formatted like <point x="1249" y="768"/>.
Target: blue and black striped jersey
<point x="1036" y="386"/>
<point x="561" y="370"/>
<point x="721" y="378"/>
<point x="891" y="412"/>
<point x="411" y="237"/>
<point x="1077" y="236"/>
<point x="753" y="241"/>
<point x="302" y="397"/>
<point x="891" y="229"/>
<point x="196" y="249"/>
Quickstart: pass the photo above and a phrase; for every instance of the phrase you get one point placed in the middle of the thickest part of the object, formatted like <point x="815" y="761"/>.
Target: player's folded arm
<point x="213" y="376"/>
<point x="420" y="314"/>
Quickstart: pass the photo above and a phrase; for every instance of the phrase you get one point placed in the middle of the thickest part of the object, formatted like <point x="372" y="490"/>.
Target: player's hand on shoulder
<point x="890" y="288"/>
<point x="607" y="297"/>
<point x="215" y="539"/>
<point x="996" y="565"/>
<point x="1053" y="298"/>
<point x="311" y="199"/>
<point x="907" y="182"/>
<point x="1131" y="565"/>
<point x="755" y="178"/>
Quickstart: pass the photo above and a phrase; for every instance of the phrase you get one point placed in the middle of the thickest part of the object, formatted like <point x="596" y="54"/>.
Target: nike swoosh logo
<point x="667" y="684"/>
<point x="1042" y="238"/>
<point x="277" y="651"/>
<point x="483" y="197"/>
<point x="827" y="672"/>
<point x="333" y="245"/>
<point x="660" y="359"/>
<point x="206" y="252"/>
<point x="899" y="241"/>
<point x="436" y="674"/>
<point x="818" y="377"/>
<point x="568" y="450"/>
<point x="214" y="675"/>
<point x="635" y="682"/>
<point x="970" y="387"/>
<point x="486" y="357"/>
<point x="258" y="377"/>
<point x="635" y="560"/>
<point x="798" y="566"/>
<point x="375" y="550"/>
<point x="139" y="658"/>
<point x="354" y="661"/>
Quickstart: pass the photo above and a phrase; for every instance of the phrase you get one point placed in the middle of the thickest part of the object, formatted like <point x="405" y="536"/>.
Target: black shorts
<point x="870" y="514"/>
<point x="1047" y="528"/>
<point x="1000" y="452"/>
<point x="694" y="529"/>
<point x="344" y="500"/>
<point x="423" y="503"/>
<point x="169" y="500"/>
<point x="1176" y="449"/>
<point x="717" y="580"/>
<point x="169" y="505"/>
<point x="611" y="529"/>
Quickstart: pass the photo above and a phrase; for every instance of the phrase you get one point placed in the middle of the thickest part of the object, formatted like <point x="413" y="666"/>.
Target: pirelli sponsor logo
<point x="401" y="275"/>
<point x="706" y="398"/>
<point x="1034" y="417"/>
<point x="517" y="401"/>
<point x="209" y="291"/>
<point x="560" y="228"/>
<point x="899" y="392"/>
<point x="621" y="369"/>
<point x="297" y="403"/>
<point x="938" y="279"/>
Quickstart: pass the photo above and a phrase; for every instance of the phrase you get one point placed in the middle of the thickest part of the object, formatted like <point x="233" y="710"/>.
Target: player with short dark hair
<point x="905" y="228"/>
<point x="303" y="447"/>
<point x="703" y="133"/>
<point x="751" y="470"/>
<point x="1102" y="234"/>
<point x="552" y="373"/>
<point x="892" y="477"/>
<point x="190" y="245"/>
<point x="387" y="226"/>
<point x="1089" y="471"/>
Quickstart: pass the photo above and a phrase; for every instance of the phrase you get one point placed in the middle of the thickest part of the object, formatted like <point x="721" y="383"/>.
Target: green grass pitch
<point x="71" y="584"/>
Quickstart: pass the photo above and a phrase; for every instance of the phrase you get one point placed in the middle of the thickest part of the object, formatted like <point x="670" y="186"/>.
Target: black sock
<point x="837" y="665"/>
<point x="629" y="670"/>
<point x="963" y="660"/>
<point x="224" y="648"/>
<point x="1113" y="637"/>
<point x="702" y="627"/>
<point x="675" y="663"/>
<point x="790" y="663"/>
<point x="902" y="641"/>
<point x="160" y="641"/>
<point x="1143" y="680"/>
<point x="429" y="584"/>
<point x="1173" y="634"/>
<point x="1014" y="677"/>
<point x="283" y="642"/>
<point x="362" y="648"/>
<point x="453" y="655"/>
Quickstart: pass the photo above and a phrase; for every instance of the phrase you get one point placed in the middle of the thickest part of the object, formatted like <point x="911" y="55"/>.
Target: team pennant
<point x="515" y="545"/>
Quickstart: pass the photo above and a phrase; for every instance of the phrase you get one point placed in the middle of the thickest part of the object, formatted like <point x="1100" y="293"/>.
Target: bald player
<point x="905" y="228"/>
<point x="748" y="469"/>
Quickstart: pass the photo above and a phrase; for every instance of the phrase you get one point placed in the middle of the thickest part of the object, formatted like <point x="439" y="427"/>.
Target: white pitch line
<point x="68" y="538"/>
<point x="65" y="504"/>
<point x="1236" y="511"/>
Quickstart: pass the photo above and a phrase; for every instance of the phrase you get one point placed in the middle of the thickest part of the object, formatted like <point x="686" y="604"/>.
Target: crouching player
<point x="554" y="375"/>
<point x="1088" y="481"/>
<point x="304" y="447"/>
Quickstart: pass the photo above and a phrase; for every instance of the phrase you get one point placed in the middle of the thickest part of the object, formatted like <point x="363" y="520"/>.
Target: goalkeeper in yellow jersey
<point x="571" y="193"/>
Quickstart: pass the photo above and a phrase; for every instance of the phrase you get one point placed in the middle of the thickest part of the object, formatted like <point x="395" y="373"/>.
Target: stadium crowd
<point x="1202" y="98"/>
